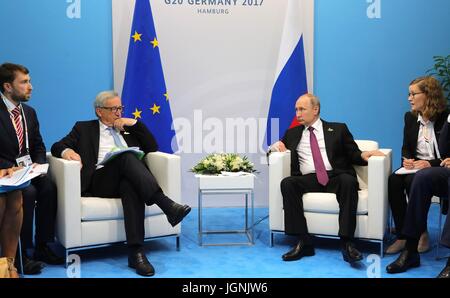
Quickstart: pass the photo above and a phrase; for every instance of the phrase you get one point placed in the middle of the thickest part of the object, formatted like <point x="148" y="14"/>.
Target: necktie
<point x="321" y="172"/>
<point x="18" y="125"/>
<point x="116" y="138"/>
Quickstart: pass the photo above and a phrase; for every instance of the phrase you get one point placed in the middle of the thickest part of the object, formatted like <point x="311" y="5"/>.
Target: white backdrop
<point x="219" y="68"/>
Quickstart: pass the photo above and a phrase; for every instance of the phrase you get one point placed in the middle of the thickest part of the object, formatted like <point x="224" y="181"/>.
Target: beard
<point x="21" y="97"/>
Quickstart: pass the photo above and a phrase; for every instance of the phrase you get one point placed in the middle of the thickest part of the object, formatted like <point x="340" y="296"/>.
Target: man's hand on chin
<point x="122" y="122"/>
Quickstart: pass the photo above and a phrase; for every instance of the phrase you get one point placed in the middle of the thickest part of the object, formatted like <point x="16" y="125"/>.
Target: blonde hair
<point x="435" y="102"/>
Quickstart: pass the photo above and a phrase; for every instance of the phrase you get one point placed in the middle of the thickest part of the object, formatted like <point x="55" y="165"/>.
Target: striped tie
<point x="18" y="125"/>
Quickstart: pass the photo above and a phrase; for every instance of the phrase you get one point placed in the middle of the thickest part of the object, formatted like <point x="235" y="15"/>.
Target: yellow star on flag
<point x="154" y="42"/>
<point x="137" y="114"/>
<point x="166" y="95"/>
<point x="136" y="36"/>
<point x="155" y="109"/>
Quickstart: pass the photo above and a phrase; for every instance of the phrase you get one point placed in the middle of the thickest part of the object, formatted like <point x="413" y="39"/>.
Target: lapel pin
<point x="330" y="129"/>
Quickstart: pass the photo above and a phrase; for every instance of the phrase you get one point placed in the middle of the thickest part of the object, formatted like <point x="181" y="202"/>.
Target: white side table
<point x="226" y="185"/>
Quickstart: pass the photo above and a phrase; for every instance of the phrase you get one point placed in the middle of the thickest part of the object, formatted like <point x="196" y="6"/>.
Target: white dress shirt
<point x="106" y="143"/>
<point x="305" y="157"/>
<point x="10" y="107"/>
<point x="426" y="140"/>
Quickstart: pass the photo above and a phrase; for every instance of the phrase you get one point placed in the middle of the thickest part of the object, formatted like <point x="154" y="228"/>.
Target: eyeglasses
<point x="412" y="94"/>
<point x="114" y="109"/>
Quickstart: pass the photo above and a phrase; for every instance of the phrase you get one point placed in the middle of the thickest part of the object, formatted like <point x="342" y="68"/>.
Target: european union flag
<point x="144" y="93"/>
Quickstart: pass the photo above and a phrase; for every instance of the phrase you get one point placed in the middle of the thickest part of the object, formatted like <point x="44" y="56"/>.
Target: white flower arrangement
<point x="217" y="163"/>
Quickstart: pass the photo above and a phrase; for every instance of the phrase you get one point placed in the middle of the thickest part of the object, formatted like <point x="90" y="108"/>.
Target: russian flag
<point x="291" y="76"/>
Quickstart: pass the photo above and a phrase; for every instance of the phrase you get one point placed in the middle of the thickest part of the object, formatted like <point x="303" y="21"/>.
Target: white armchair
<point x="322" y="209"/>
<point x="87" y="222"/>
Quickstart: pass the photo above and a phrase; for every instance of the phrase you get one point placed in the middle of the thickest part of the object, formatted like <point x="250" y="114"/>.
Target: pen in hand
<point x="408" y="163"/>
<point x="445" y="163"/>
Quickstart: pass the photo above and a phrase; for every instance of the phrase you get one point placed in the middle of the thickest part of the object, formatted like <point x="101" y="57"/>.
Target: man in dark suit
<point x="429" y="182"/>
<point x="322" y="155"/>
<point x="125" y="176"/>
<point x="21" y="143"/>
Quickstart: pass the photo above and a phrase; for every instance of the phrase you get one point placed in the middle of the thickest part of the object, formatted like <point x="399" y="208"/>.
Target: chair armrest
<point x="379" y="169"/>
<point x="167" y="170"/>
<point x="279" y="168"/>
<point x="66" y="175"/>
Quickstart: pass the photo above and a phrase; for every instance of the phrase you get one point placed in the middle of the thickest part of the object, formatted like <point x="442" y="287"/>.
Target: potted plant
<point x="223" y="163"/>
<point x="441" y="70"/>
<point x="224" y="171"/>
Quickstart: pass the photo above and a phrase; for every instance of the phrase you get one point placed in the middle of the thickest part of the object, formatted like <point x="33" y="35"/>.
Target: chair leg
<point x="178" y="243"/>
<point x="389" y="223"/>
<point x="382" y="248"/>
<point x="271" y="239"/>
<point x="389" y="226"/>
<point x="66" y="262"/>
<point x="439" y="235"/>
<point x="21" y="258"/>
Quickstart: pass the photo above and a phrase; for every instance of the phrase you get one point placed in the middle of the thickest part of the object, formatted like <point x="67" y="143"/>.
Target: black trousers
<point x="398" y="187"/>
<point x="127" y="177"/>
<point x="345" y="186"/>
<point x="39" y="199"/>
<point x="427" y="183"/>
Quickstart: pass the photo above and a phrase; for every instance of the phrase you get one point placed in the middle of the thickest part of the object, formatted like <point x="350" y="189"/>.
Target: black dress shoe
<point x="30" y="267"/>
<point x="350" y="253"/>
<point x="45" y="254"/>
<point x="405" y="261"/>
<point x="177" y="213"/>
<point x="140" y="262"/>
<point x="299" y="251"/>
<point x="445" y="273"/>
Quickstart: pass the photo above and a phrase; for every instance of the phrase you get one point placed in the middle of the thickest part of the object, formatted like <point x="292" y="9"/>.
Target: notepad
<point x="23" y="175"/>
<point x="403" y="171"/>
<point x="110" y="155"/>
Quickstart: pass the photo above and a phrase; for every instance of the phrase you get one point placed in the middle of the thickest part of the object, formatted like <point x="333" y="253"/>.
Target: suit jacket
<point x="85" y="138"/>
<point x="444" y="148"/>
<point x="342" y="151"/>
<point x="444" y="141"/>
<point x="411" y="131"/>
<point x="9" y="145"/>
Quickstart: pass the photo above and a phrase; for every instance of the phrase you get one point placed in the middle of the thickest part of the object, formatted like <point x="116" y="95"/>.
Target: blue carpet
<point x="259" y="260"/>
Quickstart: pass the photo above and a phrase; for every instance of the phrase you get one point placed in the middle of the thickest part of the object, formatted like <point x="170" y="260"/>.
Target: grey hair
<point x="102" y="97"/>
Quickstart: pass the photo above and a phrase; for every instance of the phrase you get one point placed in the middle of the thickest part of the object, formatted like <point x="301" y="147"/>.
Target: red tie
<point x="19" y="128"/>
<point x="321" y="172"/>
